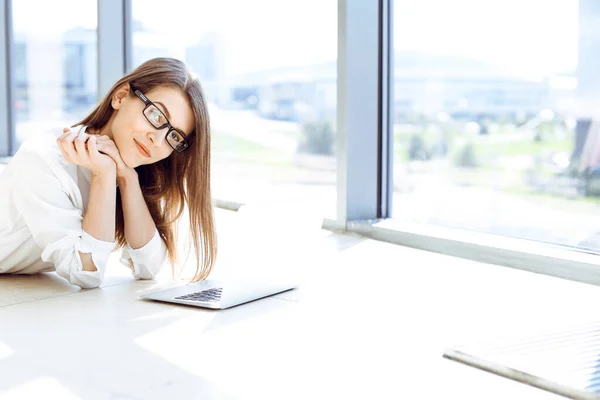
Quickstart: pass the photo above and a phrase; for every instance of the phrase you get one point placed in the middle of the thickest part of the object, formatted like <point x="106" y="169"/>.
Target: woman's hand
<point x="81" y="149"/>
<point x="107" y="146"/>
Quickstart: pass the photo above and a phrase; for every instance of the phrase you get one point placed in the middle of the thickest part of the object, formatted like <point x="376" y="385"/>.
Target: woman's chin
<point x="131" y="162"/>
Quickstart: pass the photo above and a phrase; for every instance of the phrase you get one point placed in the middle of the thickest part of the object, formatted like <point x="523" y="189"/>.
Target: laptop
<point x="220" y="294"/>
<point x="260" y="255"/>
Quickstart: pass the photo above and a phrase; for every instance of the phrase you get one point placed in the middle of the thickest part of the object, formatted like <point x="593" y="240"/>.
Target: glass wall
<point x="269" y="72"/>
<point x="496" y="117"/>
<point x="55" y="64"/>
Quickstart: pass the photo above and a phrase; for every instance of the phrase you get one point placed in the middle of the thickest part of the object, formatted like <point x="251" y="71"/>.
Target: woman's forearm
<point x="99" y="219"/>
<point x="139" y="225"/>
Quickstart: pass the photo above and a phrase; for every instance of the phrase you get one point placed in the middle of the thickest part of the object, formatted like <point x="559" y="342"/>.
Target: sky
<point x="527" y="37"/>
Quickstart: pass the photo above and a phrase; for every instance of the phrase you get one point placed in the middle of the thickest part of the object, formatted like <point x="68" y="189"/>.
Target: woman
<point x="118" y="179"/>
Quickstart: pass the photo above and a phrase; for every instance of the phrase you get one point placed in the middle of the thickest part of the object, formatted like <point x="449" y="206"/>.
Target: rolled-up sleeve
<point x="56" y="222"/>
<point x="147" y="261"/>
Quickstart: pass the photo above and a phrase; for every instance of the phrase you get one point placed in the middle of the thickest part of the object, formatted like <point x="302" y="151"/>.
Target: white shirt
<point x="43" y="199"/>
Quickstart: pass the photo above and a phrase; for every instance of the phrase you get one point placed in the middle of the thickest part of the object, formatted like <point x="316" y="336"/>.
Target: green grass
<point x="581" y="203"/>
<point x="222" y="142"/>
<point x="485" y="147"/>
<point x="515" y="185"/>
<point x="524" y="147"/>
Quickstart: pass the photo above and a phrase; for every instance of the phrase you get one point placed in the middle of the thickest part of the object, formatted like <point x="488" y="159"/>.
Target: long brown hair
<point x="178" y="180"/>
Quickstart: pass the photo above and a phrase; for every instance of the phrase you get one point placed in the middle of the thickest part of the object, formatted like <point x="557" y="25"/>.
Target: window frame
<point x="7" y="85"/>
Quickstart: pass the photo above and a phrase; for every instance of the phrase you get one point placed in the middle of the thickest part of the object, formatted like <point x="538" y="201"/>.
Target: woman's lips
<point x="142" y="149"/>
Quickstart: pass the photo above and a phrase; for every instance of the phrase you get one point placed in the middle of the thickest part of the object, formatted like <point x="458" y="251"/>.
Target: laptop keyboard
<point x="205" y="296"/>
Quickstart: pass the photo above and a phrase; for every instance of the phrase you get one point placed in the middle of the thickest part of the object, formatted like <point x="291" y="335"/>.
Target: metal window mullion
<point x="114" y="42"/>
<point x="7" y="117"/>
<point x="127" y="35"/>
<point x="386" y="98"/>
<point x="362" y="127"/>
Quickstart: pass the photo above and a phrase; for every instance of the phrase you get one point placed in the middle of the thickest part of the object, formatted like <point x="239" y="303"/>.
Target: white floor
<point x="370" y="321"/>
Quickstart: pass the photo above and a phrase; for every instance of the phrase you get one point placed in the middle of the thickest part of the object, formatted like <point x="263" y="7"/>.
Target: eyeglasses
<point x="158" y="120"/>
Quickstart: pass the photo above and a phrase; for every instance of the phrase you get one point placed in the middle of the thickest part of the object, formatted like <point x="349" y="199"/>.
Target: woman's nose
<point x="157" y="138"/>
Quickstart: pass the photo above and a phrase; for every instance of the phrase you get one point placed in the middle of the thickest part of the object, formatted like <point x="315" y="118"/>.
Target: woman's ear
<point x="120" y="95"/>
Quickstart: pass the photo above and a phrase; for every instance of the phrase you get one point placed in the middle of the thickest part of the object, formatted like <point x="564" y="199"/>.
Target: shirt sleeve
<point x="56" y="222"/>
<point x="147" y="261"/>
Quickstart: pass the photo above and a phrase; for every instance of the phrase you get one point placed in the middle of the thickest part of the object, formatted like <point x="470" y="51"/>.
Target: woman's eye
<point x="175" y="137"/>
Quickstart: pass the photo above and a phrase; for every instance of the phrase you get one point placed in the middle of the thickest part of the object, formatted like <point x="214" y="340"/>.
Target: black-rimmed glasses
<point x="158" y="120"/>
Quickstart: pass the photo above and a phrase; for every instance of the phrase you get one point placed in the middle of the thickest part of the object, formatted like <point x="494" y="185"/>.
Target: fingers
<point x="102" y="148"/>
<point x="87" y="150"/>
<point x="104" y="139"/>
<point x="92" y="147"/>
<point x="65" y="143"/>
<point x="66" y="132"/>
<point x="65" y="155"/>
<point x="80" y="147"/>
<point x="108" y="147"/>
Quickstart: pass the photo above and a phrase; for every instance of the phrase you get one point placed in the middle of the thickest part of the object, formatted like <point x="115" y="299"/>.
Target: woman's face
<point x="138" y="141"/>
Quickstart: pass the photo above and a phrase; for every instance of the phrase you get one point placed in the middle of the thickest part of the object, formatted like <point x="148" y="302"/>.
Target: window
<point x="268" y="69"/>
<point x="55" y="62"/>
<point x="496" y="127"/>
